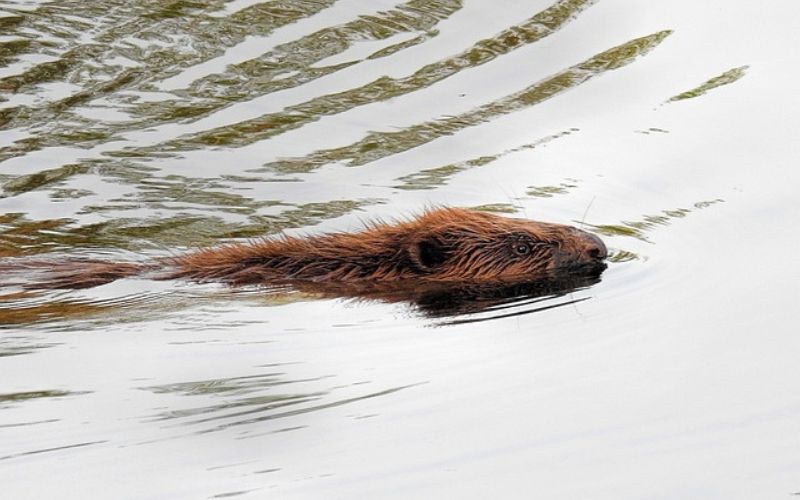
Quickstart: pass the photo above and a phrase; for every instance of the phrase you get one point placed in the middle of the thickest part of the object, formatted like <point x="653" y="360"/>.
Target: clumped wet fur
<point x="442" y="246"/>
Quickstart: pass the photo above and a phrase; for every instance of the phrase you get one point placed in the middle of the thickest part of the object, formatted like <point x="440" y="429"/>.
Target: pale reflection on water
<point x="137" y="129"/>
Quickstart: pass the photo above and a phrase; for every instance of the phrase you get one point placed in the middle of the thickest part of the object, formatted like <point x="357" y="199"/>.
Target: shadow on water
<point x="451" y="303"/>
<point x="455" y="303"/>
<point x="517" y="300"/>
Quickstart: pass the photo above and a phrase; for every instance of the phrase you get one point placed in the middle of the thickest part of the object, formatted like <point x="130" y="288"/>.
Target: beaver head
<point x="457" y="244"/>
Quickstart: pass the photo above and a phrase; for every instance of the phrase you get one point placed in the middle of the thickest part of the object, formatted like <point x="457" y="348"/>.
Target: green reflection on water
<point x="638" y="229"/>
<point x="20" y="236"/>
<point x="177" y="9"/>
<point x="234" y="385"/>
<point x="152" y="36"/>
<point x="620" y="256"/>
<point x="161" y="32"/>
<point x="378" y="145"/>
<point x="9" y="52"/>
<point x="260" y="76"/>
<point x="550" y="191"/>
<point x="725" y="78"/>
<point x="11" y="345"/>
<point x="25" y="183"/>
<point x="26" y="396"/>
<point x="502" y="208"/>
<point x="439" y="176"/>
<point x="14" y="313"/>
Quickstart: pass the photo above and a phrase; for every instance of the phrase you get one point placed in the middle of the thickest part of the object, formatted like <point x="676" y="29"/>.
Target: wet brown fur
<point x="445" y="245"/>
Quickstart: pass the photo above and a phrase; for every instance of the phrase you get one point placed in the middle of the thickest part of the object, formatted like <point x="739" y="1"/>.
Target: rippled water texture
<point x="141" y="129"/>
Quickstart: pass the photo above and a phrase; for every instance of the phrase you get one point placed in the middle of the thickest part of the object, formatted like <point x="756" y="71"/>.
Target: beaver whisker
<point x="586" y="212"/>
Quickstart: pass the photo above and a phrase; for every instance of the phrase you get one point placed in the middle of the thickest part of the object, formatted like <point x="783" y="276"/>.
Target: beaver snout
<point x="587" y="252"/>
<point x="593" y="247"/>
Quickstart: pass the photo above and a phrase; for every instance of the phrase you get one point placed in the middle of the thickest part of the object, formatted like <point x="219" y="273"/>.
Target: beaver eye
<point x="522" y="248"/>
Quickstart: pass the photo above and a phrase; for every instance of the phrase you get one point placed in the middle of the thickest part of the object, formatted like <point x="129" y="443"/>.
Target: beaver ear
<point x="427" y="253"/>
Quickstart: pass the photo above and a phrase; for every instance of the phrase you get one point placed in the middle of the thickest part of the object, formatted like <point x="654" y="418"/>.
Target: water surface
<point x="139" y="129"/>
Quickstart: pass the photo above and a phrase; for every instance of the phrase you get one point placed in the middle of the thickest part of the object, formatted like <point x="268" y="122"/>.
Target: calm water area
<point x="138" y="129"/>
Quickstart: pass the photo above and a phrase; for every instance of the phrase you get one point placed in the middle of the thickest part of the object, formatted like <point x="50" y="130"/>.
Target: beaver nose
<point x="594" y="247"/>
<point x="590" y="247"/>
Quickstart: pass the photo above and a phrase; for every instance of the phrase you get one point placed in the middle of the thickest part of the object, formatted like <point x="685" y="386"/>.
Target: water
<point x="138" y="129"/>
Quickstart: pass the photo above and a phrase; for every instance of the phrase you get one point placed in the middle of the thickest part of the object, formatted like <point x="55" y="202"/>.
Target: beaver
<point x="441" y="247"/>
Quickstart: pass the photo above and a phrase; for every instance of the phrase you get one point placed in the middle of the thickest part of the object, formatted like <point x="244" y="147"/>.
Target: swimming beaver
<point x="442" y="246"/>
